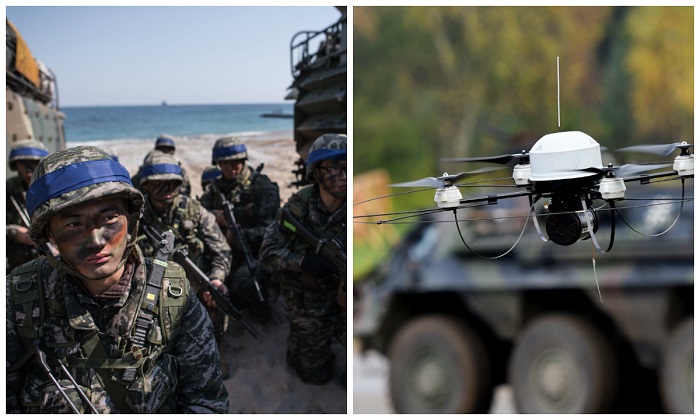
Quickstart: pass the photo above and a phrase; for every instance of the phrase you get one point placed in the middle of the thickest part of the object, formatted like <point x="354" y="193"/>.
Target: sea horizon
<point x="147" y="122"/>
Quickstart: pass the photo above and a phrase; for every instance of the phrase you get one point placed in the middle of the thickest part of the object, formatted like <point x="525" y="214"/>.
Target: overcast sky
<point x="182" y="55"/>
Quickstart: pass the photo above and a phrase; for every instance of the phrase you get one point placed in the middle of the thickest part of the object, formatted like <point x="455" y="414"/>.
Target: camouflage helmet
<point x="76" y="176"/>
<point x="160" y="167"/>
<point x="165" y="141"/>
<point x="228" y="148"/>
<point x="27" y="150"/>
<point x="109" y="152"/>
<point x="326" y="147"/>
<point x="209" y="174"/>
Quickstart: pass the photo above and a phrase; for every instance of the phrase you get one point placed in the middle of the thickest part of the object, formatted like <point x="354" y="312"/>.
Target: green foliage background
<point x="433" y="82"/>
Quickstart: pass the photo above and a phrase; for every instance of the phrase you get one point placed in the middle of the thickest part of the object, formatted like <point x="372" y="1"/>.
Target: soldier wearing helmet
<point x="209" y="175"/>
<point x="194" y="228"/>
<point x="85" y="309"/>
<point x="165" y="144"/>
<point x="309" y="282"/>
<point x="24" y="156"/>
<point x="256" y="200"/>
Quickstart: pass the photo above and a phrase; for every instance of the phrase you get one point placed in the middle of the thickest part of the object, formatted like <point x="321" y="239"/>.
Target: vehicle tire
<point x="677" y="370"/>
<point x="563" y="364"/>
<point x="438" y="364"/>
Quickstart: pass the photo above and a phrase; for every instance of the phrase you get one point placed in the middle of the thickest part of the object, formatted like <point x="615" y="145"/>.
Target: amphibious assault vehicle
<point x="319" y="89"/>
<point x="31" y="92"/>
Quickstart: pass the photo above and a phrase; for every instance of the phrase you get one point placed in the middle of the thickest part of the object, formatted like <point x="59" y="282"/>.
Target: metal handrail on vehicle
<point x="329" y="48"/>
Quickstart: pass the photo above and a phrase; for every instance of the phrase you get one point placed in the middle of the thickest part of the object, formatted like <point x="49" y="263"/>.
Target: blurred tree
<point x="431" y="82"/>
<point x="660" y="61"/>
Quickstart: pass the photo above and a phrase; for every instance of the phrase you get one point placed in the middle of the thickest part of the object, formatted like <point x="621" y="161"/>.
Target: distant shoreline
<point x="277" y="104"/>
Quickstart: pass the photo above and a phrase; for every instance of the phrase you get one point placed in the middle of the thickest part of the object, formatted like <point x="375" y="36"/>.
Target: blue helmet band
<point x="327" y="154"/>
<point x="165" y="141"/>
<point x="209" y="175"/>
<point x="72" y="177"/>
<point x="28" y="151"/>
<point x="228" y="151"/>
<point x="160" y="168"/>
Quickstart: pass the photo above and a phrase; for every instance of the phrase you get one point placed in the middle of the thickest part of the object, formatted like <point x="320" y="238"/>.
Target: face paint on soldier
<point x="25" y="169"/>
<point x="92" y="237"/>
<point x="332" y="176"/>
<point x="161" y="193"/>
<point x="230" y="169"/>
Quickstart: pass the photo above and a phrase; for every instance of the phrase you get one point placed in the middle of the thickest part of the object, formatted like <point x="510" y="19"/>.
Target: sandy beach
<point x="261" y="381"/>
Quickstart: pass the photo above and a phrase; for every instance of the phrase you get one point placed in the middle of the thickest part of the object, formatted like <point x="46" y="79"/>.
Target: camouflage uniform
<point x="179" y="370"/>
<point x="195" y="228"/>
<point x="311" y="302"/>
<point x="18" y="253"/>
<point x="256" y="200"/>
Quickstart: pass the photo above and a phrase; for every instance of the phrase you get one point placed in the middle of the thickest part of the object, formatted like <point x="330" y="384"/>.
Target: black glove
<point x="317" y="266"/>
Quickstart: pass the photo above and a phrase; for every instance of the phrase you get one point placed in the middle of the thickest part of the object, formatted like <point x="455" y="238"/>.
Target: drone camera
<point x="568" y="223"/>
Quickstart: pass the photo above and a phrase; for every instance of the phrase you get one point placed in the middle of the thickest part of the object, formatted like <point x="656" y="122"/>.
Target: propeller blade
<point x="632" y="169"/>
<point x="463" y="175"/>
<point x="656" y="149"/>
<point x="625" y="170"/>
<point x="440" y="181"/>
<point x="424" y="182"/>
<point x="501" y="159"/>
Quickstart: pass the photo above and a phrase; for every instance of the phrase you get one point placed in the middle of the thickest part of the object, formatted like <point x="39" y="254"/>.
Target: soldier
<point x="194" y="228"/>
<point x="90" y="316"/>
<point x="256" y="200"/>
<point x="24" y="156"/>
<point x="166" y="144"/>
<point x="209" y="175"/>
<point x="308" y="282"/>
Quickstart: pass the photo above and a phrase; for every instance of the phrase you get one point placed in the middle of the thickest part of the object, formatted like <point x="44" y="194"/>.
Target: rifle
<point x="332" y="250"/>
<point x="201" y="281"/>
<point x="22" y="211"/>
<point x="41" y="356"/>
<point x="230" y="217"/>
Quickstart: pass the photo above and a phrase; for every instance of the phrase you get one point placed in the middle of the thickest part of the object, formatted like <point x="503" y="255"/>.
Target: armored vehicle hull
<point x="319" y="69"/>
<point x="31" y="93"/>
<point x="571" y="330"/>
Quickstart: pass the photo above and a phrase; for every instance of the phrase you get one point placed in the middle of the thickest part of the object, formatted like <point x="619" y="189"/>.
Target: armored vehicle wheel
<point x="439" y="365"/>
<point x="563" y="364"/>
<point x="677" y="370"/>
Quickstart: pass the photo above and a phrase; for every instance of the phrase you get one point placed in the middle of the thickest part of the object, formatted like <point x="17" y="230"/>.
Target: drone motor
<point x="684" y="163"/>
<point x="447" y="196"/>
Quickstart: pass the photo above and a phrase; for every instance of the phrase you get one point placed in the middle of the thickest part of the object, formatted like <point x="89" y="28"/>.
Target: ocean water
<point x="85" y="124"/>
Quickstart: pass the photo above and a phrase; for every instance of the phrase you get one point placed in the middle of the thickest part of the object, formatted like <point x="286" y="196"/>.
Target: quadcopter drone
<point x="566" y="169"/>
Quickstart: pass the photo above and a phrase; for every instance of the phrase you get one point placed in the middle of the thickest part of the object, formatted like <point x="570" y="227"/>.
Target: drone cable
<point x="534" y="220"/>
<point x="392" y="195"/>
<point x="595" y="274"/>
<point x="590" y="227"/>
<point x="454" y="211"/>
<point x="680" y="210"/>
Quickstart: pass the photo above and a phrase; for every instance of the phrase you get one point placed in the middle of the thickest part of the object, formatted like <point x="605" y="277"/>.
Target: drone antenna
<point x="558" y="102"/>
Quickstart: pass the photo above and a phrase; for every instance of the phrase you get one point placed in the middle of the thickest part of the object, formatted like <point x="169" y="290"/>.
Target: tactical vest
<point x="183" y="220"/>
<point x="26" y="297"/>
